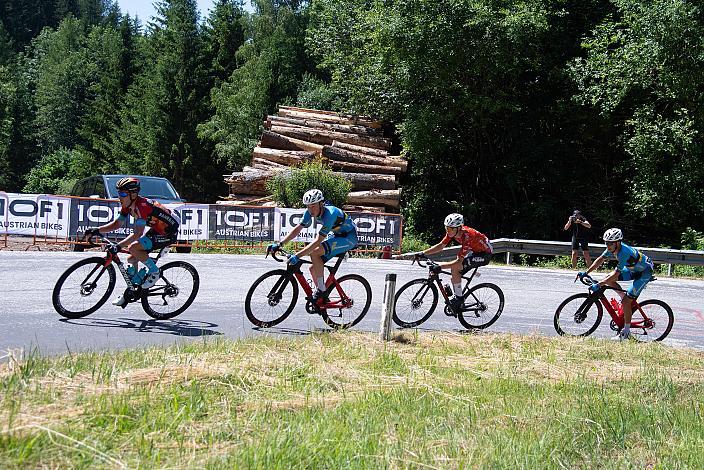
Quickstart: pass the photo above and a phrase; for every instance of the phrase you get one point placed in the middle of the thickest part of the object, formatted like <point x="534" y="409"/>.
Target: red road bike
<point x="273" y="296"/>
<point x="580" y="315"/>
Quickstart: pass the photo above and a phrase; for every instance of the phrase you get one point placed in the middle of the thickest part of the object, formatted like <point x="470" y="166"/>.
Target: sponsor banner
<point x="254" y="224"/>
<point x="195" y="221"/>
<point x="34" y="214"/>
<point x="372" y="229"/>
<point x="92" y="213"/>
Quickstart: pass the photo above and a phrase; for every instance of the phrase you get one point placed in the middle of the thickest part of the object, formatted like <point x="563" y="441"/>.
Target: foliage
<point x="53" y="173"/>
<point x="288" y="188"/>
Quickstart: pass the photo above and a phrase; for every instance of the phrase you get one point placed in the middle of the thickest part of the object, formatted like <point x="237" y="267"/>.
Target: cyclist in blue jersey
<point x="337" y="235"/>
<point x="632" y="266"/>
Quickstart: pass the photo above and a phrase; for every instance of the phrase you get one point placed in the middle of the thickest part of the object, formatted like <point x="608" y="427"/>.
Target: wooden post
<point x="387" y="307"/>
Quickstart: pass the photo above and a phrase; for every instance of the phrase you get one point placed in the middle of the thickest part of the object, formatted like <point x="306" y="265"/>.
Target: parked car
<point x="103" y="187"/>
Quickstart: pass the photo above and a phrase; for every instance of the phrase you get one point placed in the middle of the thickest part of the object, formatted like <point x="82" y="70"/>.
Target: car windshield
<point x="156" y="188"/>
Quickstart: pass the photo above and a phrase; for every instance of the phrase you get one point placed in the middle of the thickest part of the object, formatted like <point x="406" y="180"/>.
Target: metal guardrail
<point x="512" y="246"/>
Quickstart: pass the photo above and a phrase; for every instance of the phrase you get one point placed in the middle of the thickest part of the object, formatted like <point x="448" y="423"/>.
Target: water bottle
<point x="616" y="306"/>
<point x="448" y="290"/>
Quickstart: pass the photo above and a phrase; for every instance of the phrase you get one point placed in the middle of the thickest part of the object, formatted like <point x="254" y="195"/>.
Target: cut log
<point x="248" y="198"/>
<point x="362" y="168"/>
<point x="283" y="157"/>
<point x="325" y="137"/>
<point x="273" y="140"/>
<point x="375" y="198"/>
<point x="339" y="154"/>
<point x="352" y="208"/>
<point x="365" y="181"/>
<point x="312" y="123"/>
<point x="252" y="181"/>
<point x="349" y="120"/>
<point x="360" y="149"/>
<point x="310" y="110"/>
<point x="268" y="164"/>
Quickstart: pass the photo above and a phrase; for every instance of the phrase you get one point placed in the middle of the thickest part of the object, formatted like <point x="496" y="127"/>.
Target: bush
<point x="288" y="188"/>
<point x="52" y="175"/>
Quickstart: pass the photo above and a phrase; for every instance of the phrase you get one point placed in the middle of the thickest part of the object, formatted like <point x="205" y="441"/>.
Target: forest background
<point x="512" y="112"/>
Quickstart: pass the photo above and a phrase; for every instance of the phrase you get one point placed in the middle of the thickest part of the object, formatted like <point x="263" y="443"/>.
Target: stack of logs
<point x="355" y="147"/>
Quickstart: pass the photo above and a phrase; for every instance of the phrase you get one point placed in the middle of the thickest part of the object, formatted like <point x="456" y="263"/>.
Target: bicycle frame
<point x="617" y="317"/>
<point x="435" y="277"/>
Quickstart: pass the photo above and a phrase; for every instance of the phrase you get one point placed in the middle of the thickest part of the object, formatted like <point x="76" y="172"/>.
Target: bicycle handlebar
<point x="284" y="252"/>
<point x="587" y="280"/>
<point x="116" y="248"/>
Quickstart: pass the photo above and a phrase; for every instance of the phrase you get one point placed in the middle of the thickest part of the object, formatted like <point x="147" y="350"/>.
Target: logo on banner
<point x="34" y="214"/>
<point x="241" y="223"/>
<point x="288" y="219"/>
<point x="92" y="213"/>
<point x="194" y="221"/>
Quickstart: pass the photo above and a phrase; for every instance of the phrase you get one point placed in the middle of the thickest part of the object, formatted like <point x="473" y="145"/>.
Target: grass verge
<point x="345" y="400"/>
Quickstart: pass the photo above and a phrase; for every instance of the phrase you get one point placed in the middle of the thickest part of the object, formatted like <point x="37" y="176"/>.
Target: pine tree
<point x="224" y="33"/>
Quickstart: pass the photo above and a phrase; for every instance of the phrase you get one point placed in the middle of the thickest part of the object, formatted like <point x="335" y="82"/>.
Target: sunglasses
<point x="123" y="193"/>
<point x="610" y="243"/>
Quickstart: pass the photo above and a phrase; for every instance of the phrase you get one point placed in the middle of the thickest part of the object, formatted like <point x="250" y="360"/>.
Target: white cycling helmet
<point x="613" y="235"/>
<point x="312" y="196"/>
<point x="454" y="220"/>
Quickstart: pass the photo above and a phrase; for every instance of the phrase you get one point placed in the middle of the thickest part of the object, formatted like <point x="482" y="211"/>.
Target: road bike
<point x="416" y="300"/>
<point x="273" y="296"/>
<point x="84" y="287"/>
<point x="581" y="314"/>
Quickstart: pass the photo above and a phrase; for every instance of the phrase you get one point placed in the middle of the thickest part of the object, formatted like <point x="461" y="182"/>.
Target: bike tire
<point x="483" y="294"/>
<point x="565" y="313"/>
<point x="94" y="265"/>
<point x="276" y="276"/>
<point x="402" y="298"/>
<point x="169" y="286"/>
<point x="347" y="283"/>
<point x="666" y="310"/>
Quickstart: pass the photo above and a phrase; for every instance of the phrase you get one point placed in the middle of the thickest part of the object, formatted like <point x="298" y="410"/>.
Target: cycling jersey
<point x="148" y="212"/>
<point x="630" y="259"/>
<point x="470" y="240"/>
<point x="333" y="220"/>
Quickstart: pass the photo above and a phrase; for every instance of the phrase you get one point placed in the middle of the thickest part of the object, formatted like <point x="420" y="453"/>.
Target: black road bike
<point x="416" y="300"/>
<point x="86" y="286"/>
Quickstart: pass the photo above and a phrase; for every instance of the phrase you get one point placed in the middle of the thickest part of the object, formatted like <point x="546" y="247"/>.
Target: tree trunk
<point x="375" y="198"/>
<point x="336" y="119"/>
<point x="362" y="168"/>
<point x="325" y="137"/>
<point x="283" y="157"/>
<point x="252" y="181"/>
<point x="273" y="140"/>
<point x="311" y="123"/>
<point x="360" y="149"/>
<point x="364" y="181"/>
<point x="338" y="154"/>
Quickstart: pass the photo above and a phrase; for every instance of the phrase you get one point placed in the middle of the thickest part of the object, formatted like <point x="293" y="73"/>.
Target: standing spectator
<point x="579" y="225"/>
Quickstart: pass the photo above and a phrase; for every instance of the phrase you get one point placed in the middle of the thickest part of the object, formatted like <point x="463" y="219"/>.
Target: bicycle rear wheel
<point x="415" y="303"/>
<point x="483" y="305"/>
<point x="173" y="293"/>
<point x="655" y="325"/>
<point x="355" y="304"/>
<point x="271" y="298"/>
<point x="83" y="288"/>
<point x="578" y="315"/>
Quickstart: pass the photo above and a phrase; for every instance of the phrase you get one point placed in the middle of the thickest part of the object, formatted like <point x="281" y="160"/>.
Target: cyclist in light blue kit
<point x="337" y="235"/>
<point x="632" y="266"/>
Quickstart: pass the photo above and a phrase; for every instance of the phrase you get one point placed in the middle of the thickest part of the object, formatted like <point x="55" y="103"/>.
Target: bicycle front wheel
<point x="415" y="303"/>
<point x="354" y="295"/>
<point x="83" y="288"/>
<point x="271" y="298"/>
<point x="483" y="305"/>
<point x="173" y="293"/>
<point x="652" y="321"/>
<point x="578" y="315"/>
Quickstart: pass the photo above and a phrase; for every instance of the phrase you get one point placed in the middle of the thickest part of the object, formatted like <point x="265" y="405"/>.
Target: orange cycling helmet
<point x="128" y="184"/>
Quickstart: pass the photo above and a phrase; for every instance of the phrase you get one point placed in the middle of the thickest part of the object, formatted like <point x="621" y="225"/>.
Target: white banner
<point x="195" y="221"/>
<point x="42" y="215"/>
<point x="286" y="220"/>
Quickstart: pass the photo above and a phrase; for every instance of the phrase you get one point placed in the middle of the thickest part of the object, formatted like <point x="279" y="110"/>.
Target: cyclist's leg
<point x="153" y="241"/>
<point x="640" y="280"/>
<point x="611" y="279"/>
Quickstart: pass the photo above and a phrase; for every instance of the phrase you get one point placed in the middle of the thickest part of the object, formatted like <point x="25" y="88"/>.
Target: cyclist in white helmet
<point x="337" y="235"/>
<point x="475" y="251"/>
<point x="632" y="266"/>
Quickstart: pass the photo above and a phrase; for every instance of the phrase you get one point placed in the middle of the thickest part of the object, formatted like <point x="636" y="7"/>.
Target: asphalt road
<point x="28" y="320"/>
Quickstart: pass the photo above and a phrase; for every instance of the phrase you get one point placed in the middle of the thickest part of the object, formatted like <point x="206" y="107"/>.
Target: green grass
<point x="346" y="400"/>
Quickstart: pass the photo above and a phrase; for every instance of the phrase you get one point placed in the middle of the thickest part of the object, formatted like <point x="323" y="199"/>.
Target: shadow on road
<point x="169" y="327"/>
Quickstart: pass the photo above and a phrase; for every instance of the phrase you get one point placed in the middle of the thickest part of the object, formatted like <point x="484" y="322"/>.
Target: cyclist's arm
<point x="139" y="230"/>
<point x="114" y="225"/>
<point x="595" y="265"/>
<point x="434" y="249"/>
<point x="292" y="234"/>
<point x="311" y="246"/>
